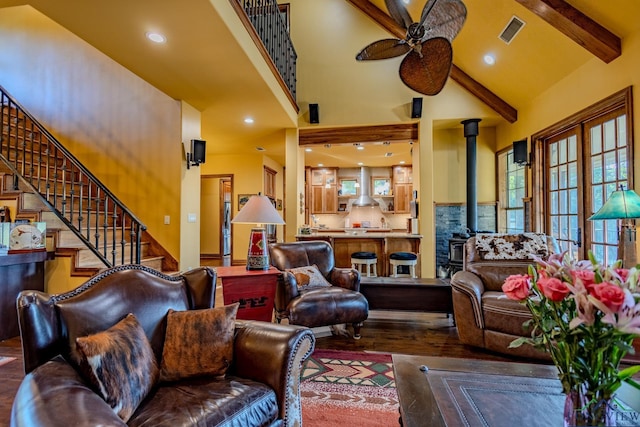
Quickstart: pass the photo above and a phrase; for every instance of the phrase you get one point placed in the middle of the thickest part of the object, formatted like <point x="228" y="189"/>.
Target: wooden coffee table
<point x="466" y="392"/>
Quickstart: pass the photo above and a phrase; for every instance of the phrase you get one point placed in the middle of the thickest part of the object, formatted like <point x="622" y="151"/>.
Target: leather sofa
<point x="484" y="316"/>
<point x="261" y="387"/>
<point x="337" y="303"/>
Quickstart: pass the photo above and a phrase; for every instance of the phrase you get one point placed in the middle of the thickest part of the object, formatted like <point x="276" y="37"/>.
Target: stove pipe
<point x="470" y="132"/>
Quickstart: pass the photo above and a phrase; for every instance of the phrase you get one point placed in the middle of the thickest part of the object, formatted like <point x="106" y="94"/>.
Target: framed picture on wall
<point x="242" y="200"/>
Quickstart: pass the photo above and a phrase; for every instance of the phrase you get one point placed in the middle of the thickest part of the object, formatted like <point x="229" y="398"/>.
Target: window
<point x="584" y="159"/>
<point x="512" y="182"/>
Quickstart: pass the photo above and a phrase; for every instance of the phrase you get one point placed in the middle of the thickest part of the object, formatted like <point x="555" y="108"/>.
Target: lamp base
<point x="258" y="255"/>
<point x="627" y="245"/>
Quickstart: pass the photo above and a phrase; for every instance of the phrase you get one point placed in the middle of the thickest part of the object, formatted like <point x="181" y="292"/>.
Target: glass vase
<point x="579" y="410"/>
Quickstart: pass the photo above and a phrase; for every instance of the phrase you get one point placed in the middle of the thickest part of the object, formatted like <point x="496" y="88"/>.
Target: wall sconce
<point x="197" y="154"/>
<point x="520" y="153"/>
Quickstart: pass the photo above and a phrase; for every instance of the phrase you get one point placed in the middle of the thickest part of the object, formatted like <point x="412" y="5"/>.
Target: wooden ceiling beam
<point x="463" y="79"/>
<point x="578" y="27"/>
<point x="352" y="134"/>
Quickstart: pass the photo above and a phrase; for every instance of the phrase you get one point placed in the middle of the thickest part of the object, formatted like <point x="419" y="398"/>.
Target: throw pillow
<point x="120" y="364"/>
<point x="309" y="277"/>
<point x="198" y="342"/>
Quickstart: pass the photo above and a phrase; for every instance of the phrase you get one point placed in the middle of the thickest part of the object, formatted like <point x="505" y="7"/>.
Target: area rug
<point x="354" y="389"/>
<point x="4" y="360"/>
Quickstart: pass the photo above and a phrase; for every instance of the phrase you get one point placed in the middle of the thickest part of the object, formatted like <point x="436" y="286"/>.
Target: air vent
<point x="512" y="29"/>
<point x="388" y="154"/>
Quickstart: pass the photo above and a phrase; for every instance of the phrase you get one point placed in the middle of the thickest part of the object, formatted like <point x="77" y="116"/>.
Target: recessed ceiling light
<point x="360" y="163"/>
<point x="308" y="150"/>
<point x="156" y="37"/>
<point x="248" y="120"/>
<point x="320" y="164"/>
<point x="402" y="162"/>
<point x="489" y="59"/>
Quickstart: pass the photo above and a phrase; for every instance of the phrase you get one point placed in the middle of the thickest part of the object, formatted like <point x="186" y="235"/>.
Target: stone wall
<point x="452" y="219"/>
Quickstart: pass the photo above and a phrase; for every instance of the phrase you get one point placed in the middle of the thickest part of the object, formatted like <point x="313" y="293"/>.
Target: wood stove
<point x="456" y="252"/>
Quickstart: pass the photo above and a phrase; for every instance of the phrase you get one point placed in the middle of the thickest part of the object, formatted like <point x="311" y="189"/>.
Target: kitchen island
<point x="382" y="243"/>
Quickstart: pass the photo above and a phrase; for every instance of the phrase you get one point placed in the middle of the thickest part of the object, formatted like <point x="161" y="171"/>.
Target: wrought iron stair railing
<point x="83" y="203"/>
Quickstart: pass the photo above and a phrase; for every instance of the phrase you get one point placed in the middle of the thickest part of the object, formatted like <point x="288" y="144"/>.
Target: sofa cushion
<point x="309" y="277"/>
<point x="231" y="401"/>
<point x="523" y="246"/>
<point x="198" y="342"/>
<point x="504" y="315"/>
<point x="120" y="364"/>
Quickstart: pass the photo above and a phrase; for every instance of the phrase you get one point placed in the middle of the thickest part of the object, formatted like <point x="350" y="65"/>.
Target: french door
<point x="585" y="160"/>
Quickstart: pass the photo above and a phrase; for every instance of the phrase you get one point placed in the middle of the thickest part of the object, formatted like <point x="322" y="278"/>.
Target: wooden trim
<point x="351" y="134"/>
<point x="578" y="27"/>
<point x="258" y="42"/>
<point x="463" y="79"/>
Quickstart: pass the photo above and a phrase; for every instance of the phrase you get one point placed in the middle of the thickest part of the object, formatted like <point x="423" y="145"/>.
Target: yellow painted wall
<point x="210" y="216"/>
<point x="247" y="179"/>
<point x="450" y="163"/>
<point x="189" y="220"/>
<point x="126" y="131"/>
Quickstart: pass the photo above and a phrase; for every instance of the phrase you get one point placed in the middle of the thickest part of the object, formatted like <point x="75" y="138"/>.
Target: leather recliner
<point x="339" y="303"/>
<point x="262" y="386"/>
<point x="484" y="316"/>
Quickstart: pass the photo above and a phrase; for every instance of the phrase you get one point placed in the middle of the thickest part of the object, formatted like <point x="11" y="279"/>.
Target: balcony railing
<point x="270" y="23"/>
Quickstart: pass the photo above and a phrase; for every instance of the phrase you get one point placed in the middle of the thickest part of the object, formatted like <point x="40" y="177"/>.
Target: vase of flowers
<point x="585" y="316"/>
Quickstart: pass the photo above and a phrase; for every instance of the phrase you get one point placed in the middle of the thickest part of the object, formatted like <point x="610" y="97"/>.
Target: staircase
<point x="44" y="182"/>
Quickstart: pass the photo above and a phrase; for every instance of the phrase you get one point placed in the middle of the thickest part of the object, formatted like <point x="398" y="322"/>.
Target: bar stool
<point x="398" y="259"/>
<point x="365" y="259"/>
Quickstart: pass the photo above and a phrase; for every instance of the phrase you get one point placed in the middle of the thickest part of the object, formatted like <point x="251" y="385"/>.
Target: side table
<point x="255" y="290"/>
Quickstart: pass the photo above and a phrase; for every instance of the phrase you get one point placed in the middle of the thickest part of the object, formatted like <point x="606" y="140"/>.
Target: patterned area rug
<point x="348" y="388"/>
<point x="4" y="360"/>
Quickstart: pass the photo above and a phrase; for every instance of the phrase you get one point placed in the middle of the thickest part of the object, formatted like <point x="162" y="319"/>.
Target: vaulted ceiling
<point x="205" y="61"/>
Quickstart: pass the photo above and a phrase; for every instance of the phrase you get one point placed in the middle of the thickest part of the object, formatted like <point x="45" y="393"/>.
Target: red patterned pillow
<point x="198" y="342"/>
<point x="120" y="364"/>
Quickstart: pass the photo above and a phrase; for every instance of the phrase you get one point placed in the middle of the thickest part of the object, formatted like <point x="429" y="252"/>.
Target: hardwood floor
<point x="389" y="332"/>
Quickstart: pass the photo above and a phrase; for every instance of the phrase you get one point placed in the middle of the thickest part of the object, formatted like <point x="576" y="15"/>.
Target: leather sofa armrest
<point x="470" y="285"/>
<point x="54" y="395"/>
<point x="347" y="278"/>
<point x="286" y="290"/>
<point x="201" y="283"/>
<point x="39" y="328"/>
<point x="272" y="354"/>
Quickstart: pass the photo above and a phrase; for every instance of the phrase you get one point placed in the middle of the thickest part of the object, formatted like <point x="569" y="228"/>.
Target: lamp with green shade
<point x="258" y="210"/>
<point x="623" y="205"/>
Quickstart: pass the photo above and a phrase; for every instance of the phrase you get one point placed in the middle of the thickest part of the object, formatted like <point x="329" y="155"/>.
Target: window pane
<point x="596" y="169"/>
<point x="622" y="164"/>
<point x="596" y="141"/>
<point x="573" y="148"/>
<point x="562" y="176"/>
<point x="610" y="166"/>
<point x="553" y="154"/>
<point x="609" y="135"/>
<point x="563" y="202"/>
<point x="553" y="202"/>
<point x="562" y="151"/>
<point x="622" y="131"/>
<point x="573" y="175"/>
<point x="573" y="201"/>
<point x="597" y="198"/>
<point x="553" y="177"/>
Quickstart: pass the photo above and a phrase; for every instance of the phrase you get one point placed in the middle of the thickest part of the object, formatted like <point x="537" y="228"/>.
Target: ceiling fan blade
<point x="383" y="49"/>
<point x="399" y="13"/>
<point x="443" y="18"/>
<point x="428" y="73"/>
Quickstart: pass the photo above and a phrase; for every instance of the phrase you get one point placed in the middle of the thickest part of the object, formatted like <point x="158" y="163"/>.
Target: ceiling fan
<point x="427" y="45"/>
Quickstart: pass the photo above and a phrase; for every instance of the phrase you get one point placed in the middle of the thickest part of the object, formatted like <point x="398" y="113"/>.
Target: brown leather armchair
<point x="485" y="317"/>
<point x="261" y="387"/>
<point x="339" y="303"/>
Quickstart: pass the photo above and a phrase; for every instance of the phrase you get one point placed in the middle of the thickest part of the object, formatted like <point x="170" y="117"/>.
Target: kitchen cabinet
<point x="324" y="191"/>
<point x="270" y="182"/>
<point x="402" y="188"/>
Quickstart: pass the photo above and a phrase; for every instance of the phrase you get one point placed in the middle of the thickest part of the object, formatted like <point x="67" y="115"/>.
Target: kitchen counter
<point x="382" y="244"/>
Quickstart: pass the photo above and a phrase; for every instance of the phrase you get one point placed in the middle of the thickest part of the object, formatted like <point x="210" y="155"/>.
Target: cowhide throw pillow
<point x="120" y="364"/>
<point x="522" y="246"/>
<point x="309" y="277"/>
<point x="198" y="343"/>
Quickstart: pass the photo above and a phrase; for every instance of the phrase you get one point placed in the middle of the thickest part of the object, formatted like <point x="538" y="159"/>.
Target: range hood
<point x="365" y="198"/>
